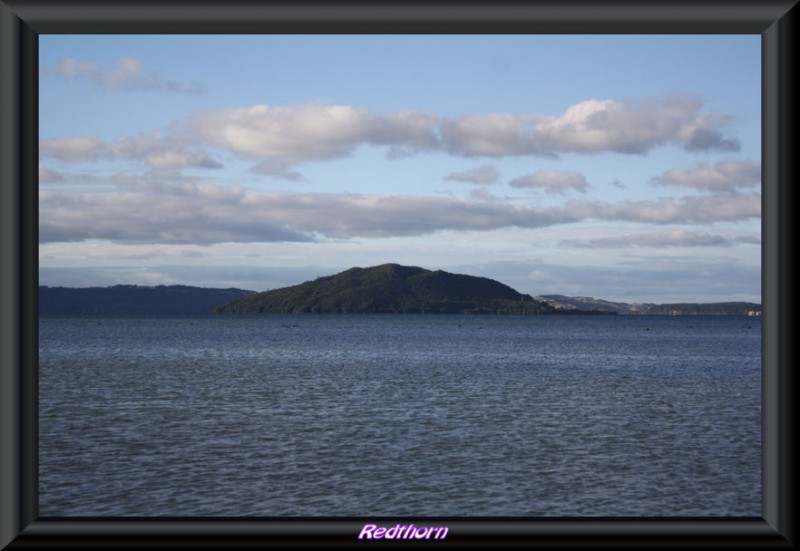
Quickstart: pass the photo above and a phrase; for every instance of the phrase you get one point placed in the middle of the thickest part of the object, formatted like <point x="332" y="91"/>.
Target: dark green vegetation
<point x="134" y="299"/>
<point x="391" y="288"/>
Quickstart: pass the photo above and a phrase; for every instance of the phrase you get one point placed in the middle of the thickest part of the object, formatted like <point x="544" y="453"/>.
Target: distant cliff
<point x="391" y="288"/>
<point x="134" y="299"/>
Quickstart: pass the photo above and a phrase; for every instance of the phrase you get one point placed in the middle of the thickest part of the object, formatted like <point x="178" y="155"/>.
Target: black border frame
<point x="21" y="21"/>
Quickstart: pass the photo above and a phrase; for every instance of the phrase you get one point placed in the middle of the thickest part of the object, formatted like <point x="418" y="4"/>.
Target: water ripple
<point x="399" y="415"/>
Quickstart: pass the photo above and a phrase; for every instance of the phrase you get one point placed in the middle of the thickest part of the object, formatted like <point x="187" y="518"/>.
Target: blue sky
<point x="620" y="167"/>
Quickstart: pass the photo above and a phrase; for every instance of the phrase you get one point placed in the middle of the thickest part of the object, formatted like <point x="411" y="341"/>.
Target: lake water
<point x="400" y="415"/>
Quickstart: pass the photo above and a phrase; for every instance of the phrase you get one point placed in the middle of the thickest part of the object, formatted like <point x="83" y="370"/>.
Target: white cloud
<point x="494" y="135"/>
<point x="47" y="176"/>
<point x="173" y="160"/>
<point x="406" y="132"/>
<point x="670" y="238"/>
<point x="309" y="132"/>
<point x="74" y="148"/>
<point x="160" y="152"/>
<point x="157" y="151"/>
<point x="159" y="213"/>
<point x="126" y="73"/>
<point x="483" y="194"/>
<point x="281" y="136"/>
<point x="71" y="67"/>
<point x="626" y="127"/>
<point x="316" y="132"/>
<point x="187" y="212"/>
<point x="727" y="175"/>
<point x="312" y="132"/>
<point x="694" y="210"/>
<point x="276" y="169"/>
<point x="553" y="181"/>
<point x="483" y="175"/>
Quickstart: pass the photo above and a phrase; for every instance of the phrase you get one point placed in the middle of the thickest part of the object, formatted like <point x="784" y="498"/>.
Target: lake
<point x="399" y="415"/>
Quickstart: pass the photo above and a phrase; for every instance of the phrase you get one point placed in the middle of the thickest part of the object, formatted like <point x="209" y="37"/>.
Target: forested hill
<point x="391" y="288"/>
<point x="134" y="299"/>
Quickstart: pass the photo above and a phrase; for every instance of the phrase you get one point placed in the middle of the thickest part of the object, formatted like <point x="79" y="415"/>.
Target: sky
<point x="620" y="167"/>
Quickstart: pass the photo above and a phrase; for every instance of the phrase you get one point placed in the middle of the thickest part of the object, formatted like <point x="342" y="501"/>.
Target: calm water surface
<point x="367" y="415"/>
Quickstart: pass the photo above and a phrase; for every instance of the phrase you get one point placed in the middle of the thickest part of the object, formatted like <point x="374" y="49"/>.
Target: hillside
<point x="710" y="309"/>
<point x="134" y="299"/>
<point x="588" y="304"/>
<point x="391" y="288"/>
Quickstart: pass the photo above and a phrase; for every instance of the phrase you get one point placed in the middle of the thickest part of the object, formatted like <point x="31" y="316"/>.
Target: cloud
<point x="278" y="137"/>
<point x="724" y="176"/>
<point x="483" y="194"/>
<point x="126" y="73"/>
<point x="159" y="213"/>
<point x="406" y="132"/>
<point x="672" y="238"/>
<point x="553" y="181"/>
<point x="74" y="148"/>
<point x="191" y="213"/>
<point x="276" y="169"/>
<point x="688" y="210"/>
<point x="47" y="176"/>
<point x="173" y="160"/>
<point x="160" y="152"/>
<point x="157" y="151"/>
<point x="494" y="135"/>
<point x="347" y="216"/>
<point x="309" y="132"/>
<point x="483" y="175"/>
<point x="590" y="126"/>
<point x="143" y="211"/>
<point x="315" y="132"/>
<point x="628" y="127"/>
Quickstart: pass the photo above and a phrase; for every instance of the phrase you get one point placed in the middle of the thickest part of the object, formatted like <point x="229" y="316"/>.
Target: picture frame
<point x="22" y="21"/>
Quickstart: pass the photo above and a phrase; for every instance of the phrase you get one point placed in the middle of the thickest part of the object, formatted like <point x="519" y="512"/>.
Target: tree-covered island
<point x="391" y="288"/>
<point x="388" y="288"/>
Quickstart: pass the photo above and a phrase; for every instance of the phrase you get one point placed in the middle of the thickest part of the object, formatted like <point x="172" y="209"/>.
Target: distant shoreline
<point x="187" y="300"/>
